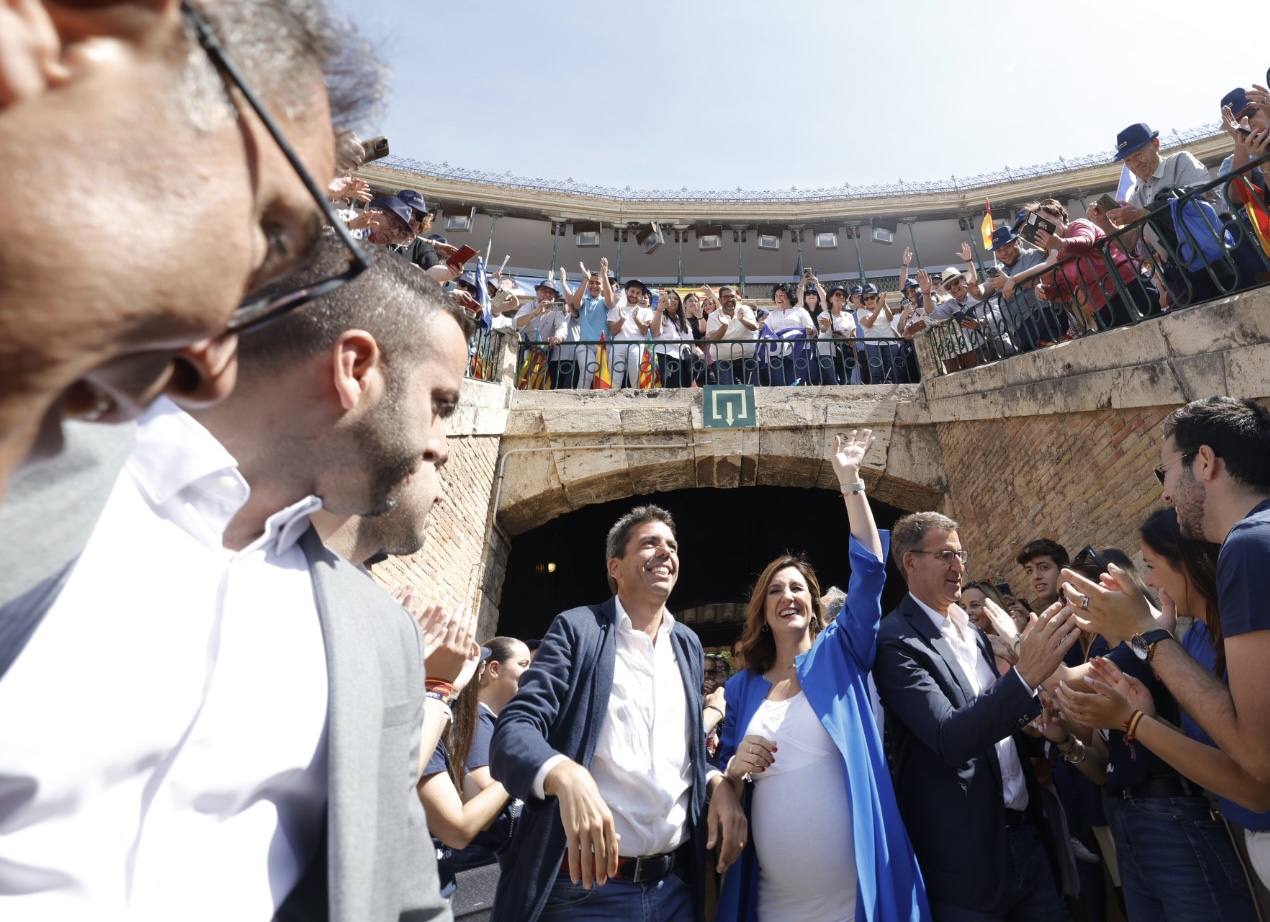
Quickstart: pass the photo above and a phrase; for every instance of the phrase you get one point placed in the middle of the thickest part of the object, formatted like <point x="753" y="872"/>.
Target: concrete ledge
<point x="1215" y="348"/>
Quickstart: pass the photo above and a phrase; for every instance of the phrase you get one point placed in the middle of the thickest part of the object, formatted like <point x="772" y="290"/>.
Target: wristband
<point x="440" y="699"/>
<point x="711" y="707"/>
<point x="854" y="487"/>
<point x="439" y="685"/>
<point x="1131" y="728"/>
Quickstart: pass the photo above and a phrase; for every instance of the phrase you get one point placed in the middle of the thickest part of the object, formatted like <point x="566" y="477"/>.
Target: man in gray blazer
<point x="249" y="700"/>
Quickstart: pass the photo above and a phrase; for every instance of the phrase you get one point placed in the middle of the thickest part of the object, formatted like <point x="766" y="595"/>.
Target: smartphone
<point x="461" y="256"/>
<point x="374" y="149"/>
<point x="808" y="272"/>
<point x="1244" y="130"/>
<point x="1003" y="588"/>
<point x="653" y="299"/>
<point x="1034" y="223"/>
<point x="1107" y="203"/>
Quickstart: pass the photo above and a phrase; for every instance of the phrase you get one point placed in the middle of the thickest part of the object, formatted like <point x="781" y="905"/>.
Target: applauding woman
<point x="826" y="840"/>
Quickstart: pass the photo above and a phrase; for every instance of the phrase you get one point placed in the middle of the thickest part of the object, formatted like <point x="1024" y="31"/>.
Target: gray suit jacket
<point x="376" y="861"/>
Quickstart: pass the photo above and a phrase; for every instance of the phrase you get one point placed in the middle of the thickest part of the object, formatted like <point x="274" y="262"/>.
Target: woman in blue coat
<point x="826" y="840"/>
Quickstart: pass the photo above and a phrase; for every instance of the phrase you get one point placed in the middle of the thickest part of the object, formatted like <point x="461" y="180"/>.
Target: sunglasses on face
<point x="1187" y="457"/>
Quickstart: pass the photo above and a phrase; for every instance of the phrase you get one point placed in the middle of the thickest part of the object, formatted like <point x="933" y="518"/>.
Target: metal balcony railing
<point x="765" y="362"/>
<point x="1194" y="245"/>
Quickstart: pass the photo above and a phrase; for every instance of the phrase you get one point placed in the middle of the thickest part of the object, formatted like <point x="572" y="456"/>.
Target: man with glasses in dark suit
<point x="966" y="792"/>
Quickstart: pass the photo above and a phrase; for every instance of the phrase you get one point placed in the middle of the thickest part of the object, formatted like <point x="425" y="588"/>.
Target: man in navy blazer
<point x="604" y="743"/>
<point x="966" y="793"/>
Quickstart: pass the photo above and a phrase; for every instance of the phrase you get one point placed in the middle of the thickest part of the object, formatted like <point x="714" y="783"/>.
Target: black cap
<point x="636" y="283"/>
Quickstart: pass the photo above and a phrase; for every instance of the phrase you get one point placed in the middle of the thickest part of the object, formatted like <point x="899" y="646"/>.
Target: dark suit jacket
<point x="376" y="860"/>
<point x="561" y="705"/>
<point x="947" y="777"/>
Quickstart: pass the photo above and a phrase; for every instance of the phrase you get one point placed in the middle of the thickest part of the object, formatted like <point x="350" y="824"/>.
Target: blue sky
<point x="710" y="94"/>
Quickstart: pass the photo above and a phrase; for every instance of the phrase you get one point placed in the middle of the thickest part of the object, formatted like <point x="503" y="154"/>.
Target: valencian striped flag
<point x="533" y="374"/>
<point x="603" y="379"/>
<point x="648" y="376"/>
<point x="985" y="226"/>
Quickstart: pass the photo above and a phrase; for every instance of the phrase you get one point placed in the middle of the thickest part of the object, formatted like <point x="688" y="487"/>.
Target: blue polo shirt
<point x="1243" y="575"/>
<point x="592" y="319"/>
<point x="1198" y="642"/>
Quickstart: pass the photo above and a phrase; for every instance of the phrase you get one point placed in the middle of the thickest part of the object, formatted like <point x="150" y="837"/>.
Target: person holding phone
<point x="1077" y="273"/>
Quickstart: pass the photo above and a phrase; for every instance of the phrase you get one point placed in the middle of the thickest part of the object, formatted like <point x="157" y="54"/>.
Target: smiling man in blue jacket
<point x="604" y="742"/>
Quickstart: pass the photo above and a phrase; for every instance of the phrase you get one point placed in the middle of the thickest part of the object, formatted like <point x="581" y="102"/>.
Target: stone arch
<point x="561" y="452"/>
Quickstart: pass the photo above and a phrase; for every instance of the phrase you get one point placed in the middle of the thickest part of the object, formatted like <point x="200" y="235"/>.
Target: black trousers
<point x="1030" y="893"/>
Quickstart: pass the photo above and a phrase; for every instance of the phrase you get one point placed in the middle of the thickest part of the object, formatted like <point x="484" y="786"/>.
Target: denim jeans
<point x="1176" y="861"/>
<point x="737" y="371"/>
<point x="1030" y="896"/>
<point x="667" y="900"/>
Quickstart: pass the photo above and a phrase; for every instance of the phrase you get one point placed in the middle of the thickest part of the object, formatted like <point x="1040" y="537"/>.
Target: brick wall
<point x="1079" y="478"/>
<point x="445" y="570"/>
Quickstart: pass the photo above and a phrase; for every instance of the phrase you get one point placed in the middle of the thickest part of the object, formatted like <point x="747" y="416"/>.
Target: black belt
<point x="1164" y="786"/>
<point x="1015" y="818"/>
<point x="646" y="869"/>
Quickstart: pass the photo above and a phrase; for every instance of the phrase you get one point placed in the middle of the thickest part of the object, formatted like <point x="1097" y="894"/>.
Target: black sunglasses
<point x="271" y="303"/>
<point x="1089" y="554"/>
<point x="1186" y="456"/>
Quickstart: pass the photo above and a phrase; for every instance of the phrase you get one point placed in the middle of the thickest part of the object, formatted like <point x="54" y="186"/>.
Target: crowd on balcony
<point x="1178" y="236"/>
<point x="222" y="401"/>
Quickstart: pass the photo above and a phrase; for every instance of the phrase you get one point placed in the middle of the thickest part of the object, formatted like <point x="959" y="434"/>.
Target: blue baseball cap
<point x="393" y="205"/>
<point x="1237" y="99"/>
<point x="1003" y="236"/>
<point x="415" y="201"/>
<point x="1134" y="138"/>
<point x="909" y="282"/>
<point x="856" y="290"/>
<point x="869" y="289"/>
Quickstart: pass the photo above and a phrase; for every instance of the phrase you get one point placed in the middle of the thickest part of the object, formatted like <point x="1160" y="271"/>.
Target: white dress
<point x="801" y="820"/>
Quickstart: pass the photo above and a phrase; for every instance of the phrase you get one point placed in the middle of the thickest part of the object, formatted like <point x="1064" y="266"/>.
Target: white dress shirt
<point x="162" y="735"/>
<point x="642" y="764"/>
<point x="960" y="634"/>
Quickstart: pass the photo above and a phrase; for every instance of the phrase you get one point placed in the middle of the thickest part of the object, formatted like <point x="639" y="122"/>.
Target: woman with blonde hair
<point x="826" y="840"/>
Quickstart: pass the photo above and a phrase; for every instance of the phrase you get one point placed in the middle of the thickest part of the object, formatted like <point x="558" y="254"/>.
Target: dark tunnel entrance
<point x="726" y="537"/>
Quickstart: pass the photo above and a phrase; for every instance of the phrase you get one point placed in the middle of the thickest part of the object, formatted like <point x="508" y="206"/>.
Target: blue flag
<point x="482" y="295"/>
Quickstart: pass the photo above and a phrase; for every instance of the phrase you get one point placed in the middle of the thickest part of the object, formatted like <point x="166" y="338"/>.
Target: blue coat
<point x="560" y="708"/>
<point x="833" y="676"/>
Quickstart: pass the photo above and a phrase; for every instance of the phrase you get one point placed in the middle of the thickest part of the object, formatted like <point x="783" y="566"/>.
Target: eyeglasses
<point x="263" y="306"/>
<point x="1186" y="456"/>
<point x="946" y="556"/>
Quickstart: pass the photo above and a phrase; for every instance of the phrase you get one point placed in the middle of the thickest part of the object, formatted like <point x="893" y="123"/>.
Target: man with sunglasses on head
<point x="966" y="792"/>
<point x="95" y="325"/>
<point x="246" y="706"/>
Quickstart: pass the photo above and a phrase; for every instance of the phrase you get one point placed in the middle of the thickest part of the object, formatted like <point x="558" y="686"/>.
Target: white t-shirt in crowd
<point x="883" y="327"/>
<point x="791" y="318"/>
<point x="735" y="330"/>
<point x="841" y="325"/>
<point x="630" y="331"/>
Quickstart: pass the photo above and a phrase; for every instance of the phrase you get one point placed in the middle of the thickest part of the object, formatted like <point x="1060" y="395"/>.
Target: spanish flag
<point x="603" y="379"/>
<point x="985" y="228"/>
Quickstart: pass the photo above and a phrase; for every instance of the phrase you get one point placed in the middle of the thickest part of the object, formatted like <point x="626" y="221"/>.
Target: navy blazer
<point x="945" y="768"/>
<point x="560" y="707"/>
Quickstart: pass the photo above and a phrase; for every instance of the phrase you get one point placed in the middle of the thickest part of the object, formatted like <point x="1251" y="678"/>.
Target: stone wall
<point x="1058" y="443"/>
<point x="1079" y="478"/>
<point x="1061" y="443"/>
<point x="453" y="569"/>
